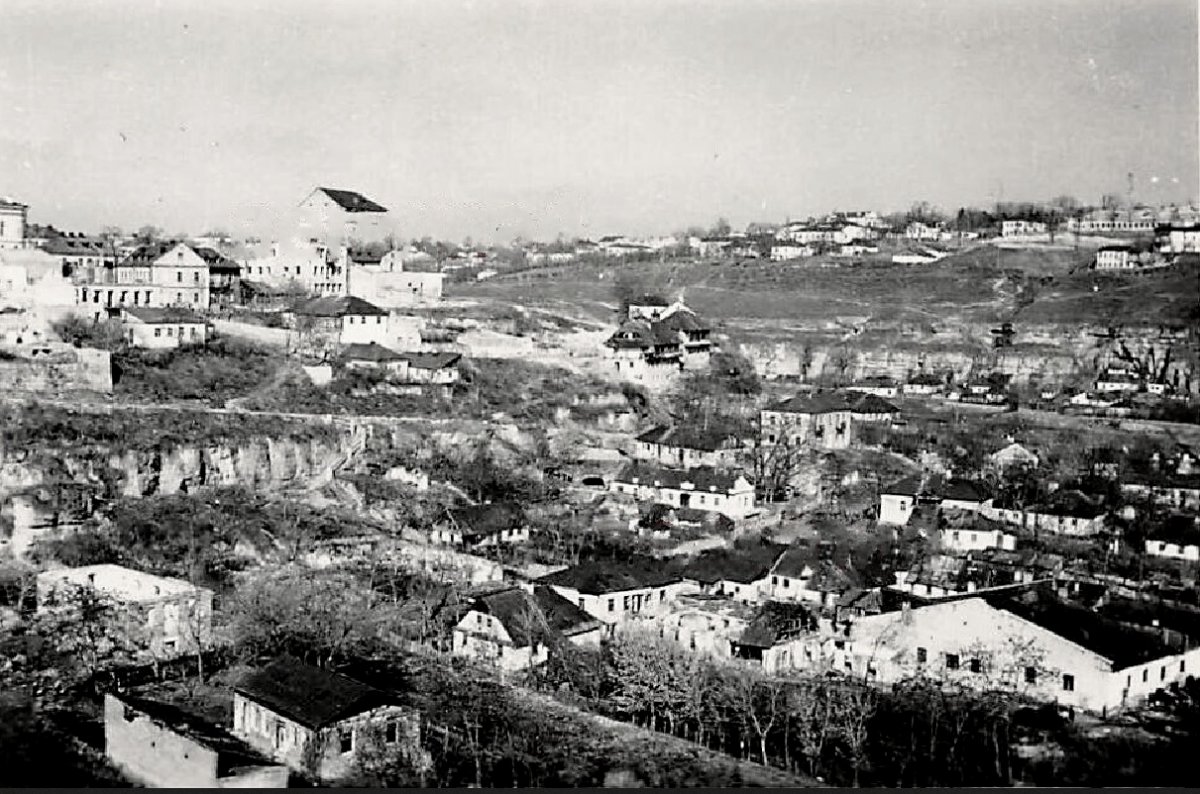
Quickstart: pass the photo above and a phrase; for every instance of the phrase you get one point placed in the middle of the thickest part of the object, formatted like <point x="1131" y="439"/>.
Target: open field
<point x="979" y="285"/>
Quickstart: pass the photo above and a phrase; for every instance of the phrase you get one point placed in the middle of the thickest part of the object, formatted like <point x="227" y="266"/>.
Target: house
<point x="615" y="592"/>
<point x="32" y="279"/>
<point x="299" y="267"/>
<point x="657" y="342"/>
<point x="161" y="328"/>
<point x="336" y="218"/>
<point x="481" y="526"/>
<point x="130" y="281"/>
<point x="1180" y="491"/>
<point x="1116" y="257"/>
<point x="325" y="325"/>
<point x="1065" y="512"/>
<point x="181" y="277"/>
<point x="383" y="281"/>
<point x="1013" y="456"/>
<point x="766" y="639"/>
<point x="516" y="629"/>
<point x="898" y="500"/>
<point x="882" y="386"/>
<point x="375" y="357"/>
<point x="723" y="491"/>
<point x="1117" y="379"/>
<point x="784" y="251"/>
<point x="687" y="447"/>
<point x="162" y="746"/>
<point x="924" y="383"/>
<point x="1020" y="228"/>
<point x="923" y="231"/>
<point x="1177" y="538"/>
<point x="821" y="420"/>
<point x="224" y="277"/>
<point x="1047" y="649"/>
<point x="315" y="721"/>
<point x="164" y="617"/>
<point x="810" y="576"/>
<point x="81" y="258"/>
<point x="13" y="218"/>
<point x="871" y="409"/>
<point x="740" y="573"/>
<point x="966" y="530"/>
<point x="439" y="369"/>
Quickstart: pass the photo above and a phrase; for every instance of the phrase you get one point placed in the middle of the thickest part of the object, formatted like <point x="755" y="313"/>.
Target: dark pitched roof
<point x="432" y="360"/>
<point x="872" y="404"/>
<point x="936" y="486"/>
<point x="370" y="352"/>
<point x="215" y="259"/>
<point x="682" y="320"/>
<point x="487" y="519"/>
<point x="1072" y="504"/>
<point x="78" y="246"/>
<point x="1181" y="529"/>
<point x="776" y="622"/>
<point x="602" y="577"/>
<point x="706" y="440"/>
<point x="535" y="617"/>
<point x="702" y="478"/>
<point x="650" y="300"/>
<point x="794" y="561"/>
<point x="309" y="695"/>
<point x="816" y="403"/>
<point x="351" y="201"/>
<point x="744" y="565"/>
<point x="168" y="315"/>
<point x="145" y="254"/>
<point x="232" y="753"/>
<point x="1124" y="645"/>
<point x="337" y="307"/>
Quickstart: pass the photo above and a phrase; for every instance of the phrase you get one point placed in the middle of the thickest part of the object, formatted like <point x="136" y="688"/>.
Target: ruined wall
<point x="54" y="368"/>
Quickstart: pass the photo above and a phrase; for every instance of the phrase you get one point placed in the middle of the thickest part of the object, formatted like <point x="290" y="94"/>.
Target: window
<point x="581" y="602"/>
<point x="379" y="321"/>
<point x="1182" y="665"/>
<point x="170" y="645"/>
<point x="478" y="620"/>
<point x="775" y="580"/>
<point x="280" y="734"/>
<point x="1031" y="675"/>
<point x="1146" y="675"/>
<point x="922" y="655"/>
<point x="346" y="740"/>
<point x="392" y="732"/>
<point x="612" y="604"/>
<point x="786" y="582"/>
<point x="157" y="332"/>
<point x="662" y="596"/>
<point x="1068" y="683"/>
<point x="196" y="277"/>
<point x="195" y="297"/>
<point x="976" y="665"/>
<point x="179" y="277"/>
<point x="1162" y="674"/>
<point x="952" y="661"/>
<point x="170" y="330"/>
<point x="625" y="603"/>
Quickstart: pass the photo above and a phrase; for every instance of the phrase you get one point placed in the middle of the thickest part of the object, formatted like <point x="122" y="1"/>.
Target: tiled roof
<point x="937" y="486"/>
<point x="702" y="478"/>
<point x="351" y="201"/>
<point x="75" y="246"/>
<point x="682" y="320"/>
<point x="872" y="404"/>
<point x="164" y="316"/>
<point x="533" y="618"/>
<point x="487" y="519"/>
<point x="309" y="695"/>
<point x="744" y="565"/>
<point x="337" y="307"/>
<point x="432" y="360"/>
<point x="816" y="403"/>
<point x="603" y="577"/>
<point x="215" y="259"/>
<point x="706" y="440"/>
<point x="145" y="254"/>
<point x="650" y="300"/>
<point x="370" y="352"/>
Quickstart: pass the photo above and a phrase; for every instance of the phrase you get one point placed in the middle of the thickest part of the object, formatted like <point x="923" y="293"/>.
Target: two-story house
<point x="739" y="573"/>
<point x="326" y="325"/>
<point x="687" y="447"/>
<point x="615" y="592"/>
<point x="316" y="721"/>
<point x="820" y="420"/>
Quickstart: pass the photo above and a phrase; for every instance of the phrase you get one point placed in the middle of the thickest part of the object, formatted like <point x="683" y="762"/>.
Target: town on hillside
<point x="899" y="496"/>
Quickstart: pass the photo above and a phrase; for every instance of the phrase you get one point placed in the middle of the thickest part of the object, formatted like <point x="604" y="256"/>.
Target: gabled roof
<point x="650" y="300"/>
<point x="702" y="478"/>
<point x="338" y="307"/>
<point x="816" y="403"/>
<point x="872" y="404"/>
<point x="705" y="440"/>
<point x="313" y="697"/>
<point x="370" y="352"/>
<point x="487" y="519"/>
<point x="351" y="201"/>
<point x="145" y="254"/>
<point x="530" y="618"/>
<point x="684" y="320"/>
<point x="1181" y="529"/>
<point x="215" y="259"/>
<point x="603" y="577"/>
<point x="938" y="487"/>
<point x="78" y="246"/>
<point x="169" y="315"/>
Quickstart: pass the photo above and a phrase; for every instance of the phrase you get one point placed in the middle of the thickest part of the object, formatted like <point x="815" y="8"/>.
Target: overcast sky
<point x="587" y="117"/>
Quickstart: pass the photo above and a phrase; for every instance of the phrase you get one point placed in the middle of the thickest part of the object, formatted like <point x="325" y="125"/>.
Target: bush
<point x="219" y="371"/>
<point x="82" y="332"/>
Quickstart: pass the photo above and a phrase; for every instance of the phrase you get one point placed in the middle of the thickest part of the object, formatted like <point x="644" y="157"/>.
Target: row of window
<point x="170" y="329"/>
<point x="364" y="320"/>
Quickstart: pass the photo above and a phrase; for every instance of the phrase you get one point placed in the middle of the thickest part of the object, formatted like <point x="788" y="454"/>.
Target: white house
<point x="898" y="500"/>
<point x="1178" y="538"/>
<point x="1066" y="513"/>
<point x="515" y="629"/>
<point x="1013" y="456"/>
<point x="784" y="251"/>
<point x="703" y="488"/>
<point x="618" y="591"/>
<point x="160" y="328"/>
<point x="686" y="447"/>
<point x="1018" y="228"/>
<point x="810" y="576"/>
<point x="1050" y="651"/>
<point x="1116" y="257"/>
<point x="820" y="420"/>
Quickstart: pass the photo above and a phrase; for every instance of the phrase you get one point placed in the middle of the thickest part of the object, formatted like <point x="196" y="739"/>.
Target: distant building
<point x="383" y="280"/>
<point x="898" y="500"/>
<point x="1177" y="538"/>
<point x="923" y="231"/>
<point x="687" y="447"/>
<point x="741" y="574"/>
<point x="1064" y="513"/>
<point x="481" y="526"/>
<point x="1019" y="228"/>
<point x="165" y="617"/>
<point x="325" y="325"/>
<point x="784" y="251"/>
<point x="13" y="215"/>
<point x="659" y="341"/>
<point x="1116" y="257"/>
<point x="161" y="746"/>
<point x="1013" y="456"/>
<point x="810" y="576"/>
<point x="341" y="218"/>
<point x="615" y="592"/>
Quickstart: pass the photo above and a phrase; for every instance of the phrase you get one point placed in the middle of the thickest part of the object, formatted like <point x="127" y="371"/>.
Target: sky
<point x="499" y="118"/>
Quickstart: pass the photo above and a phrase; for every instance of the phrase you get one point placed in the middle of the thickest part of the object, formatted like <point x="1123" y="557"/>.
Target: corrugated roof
<point x="313" y="697"/>
<point x="487" y="519"/>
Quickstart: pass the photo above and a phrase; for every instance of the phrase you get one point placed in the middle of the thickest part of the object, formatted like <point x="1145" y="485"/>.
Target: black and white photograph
<point x="599" y="393"/>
